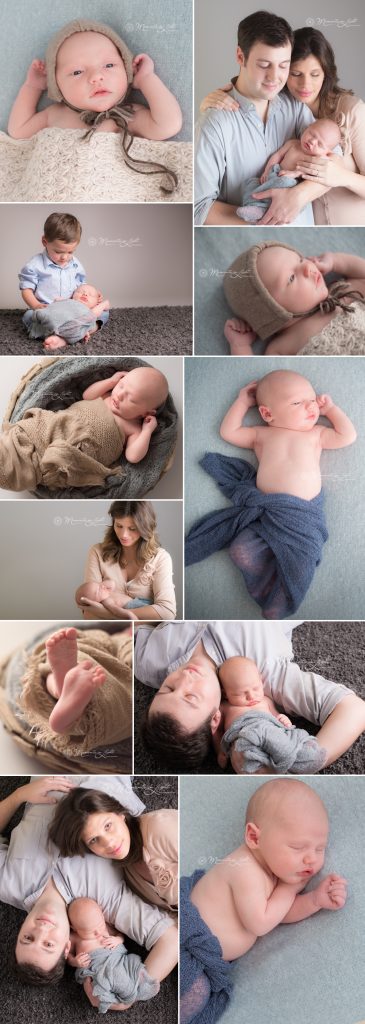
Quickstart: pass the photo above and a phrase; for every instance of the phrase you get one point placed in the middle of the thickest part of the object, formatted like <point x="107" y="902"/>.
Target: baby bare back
<point x="220" y="897"/>
<point x="288" y="461"/>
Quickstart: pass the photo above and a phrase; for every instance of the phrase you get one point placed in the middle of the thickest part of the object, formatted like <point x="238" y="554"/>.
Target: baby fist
<point x="142" y="67"/>
<point x="150" y="423"/>
<point x="325" y="403"/>
<point x="331" y="893"/>
<point x="324" y="262"/>
<point x="36" y="75"/>
<point x="248" y="394"/>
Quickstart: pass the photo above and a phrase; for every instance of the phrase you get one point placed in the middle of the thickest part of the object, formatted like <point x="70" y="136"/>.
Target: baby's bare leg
<point x="62" y="655"/>
<point x="53" y="342"/>
<point x="342" y="727"/>
<point x="79" y="686"/>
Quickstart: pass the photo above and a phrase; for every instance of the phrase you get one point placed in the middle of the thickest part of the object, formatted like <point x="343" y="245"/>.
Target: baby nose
<point x="96" y="75"/>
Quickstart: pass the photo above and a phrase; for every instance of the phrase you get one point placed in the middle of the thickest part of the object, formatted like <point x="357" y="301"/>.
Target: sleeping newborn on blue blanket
<point x="67" y="321"/>
<point x="98" y="952"/>
<point x="275" y="528"/>
<point x="252" y="726"/>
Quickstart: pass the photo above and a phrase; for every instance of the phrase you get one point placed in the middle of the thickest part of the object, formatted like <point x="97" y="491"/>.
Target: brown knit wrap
<point x="250" y="300"/>
<point x="107" y="718"/>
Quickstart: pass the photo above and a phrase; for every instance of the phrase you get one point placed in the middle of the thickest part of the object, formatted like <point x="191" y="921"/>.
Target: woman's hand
<point x="38" y="792"/>
<point x="325" y="170"/>
<point x="220" y="99"/>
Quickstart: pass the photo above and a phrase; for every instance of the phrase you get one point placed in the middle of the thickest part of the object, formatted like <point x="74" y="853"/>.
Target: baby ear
<point x="265" y="413"/>
<point x="100" y="296"/>
<point x="252" y="835"/>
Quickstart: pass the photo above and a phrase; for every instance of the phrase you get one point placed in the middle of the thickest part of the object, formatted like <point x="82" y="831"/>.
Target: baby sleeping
<point x="98" y="952"/>
<point x="81" y="445"/>
<point x="107" y="594"/>
<point x="67" y="321"/>
<point x="275" y="527"/>
<point x="253" y="727"/>
<point x="319" y="139"/>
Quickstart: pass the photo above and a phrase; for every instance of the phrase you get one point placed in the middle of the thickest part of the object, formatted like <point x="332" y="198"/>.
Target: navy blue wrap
<point x="294" y="529"/>
<point x="200" y="952"/>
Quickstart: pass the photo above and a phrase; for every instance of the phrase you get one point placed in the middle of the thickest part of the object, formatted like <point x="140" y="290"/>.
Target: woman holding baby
<point x="128" y="575"/>
<point x="313" y="80"/>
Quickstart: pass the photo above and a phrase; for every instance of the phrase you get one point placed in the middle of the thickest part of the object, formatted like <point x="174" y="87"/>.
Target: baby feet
<point x="62" y="655"/>
<point x="239" y="336"/>
<point x="251" y="214"/>
<point x="54" y="342"/>
<point x="79" y="686"/>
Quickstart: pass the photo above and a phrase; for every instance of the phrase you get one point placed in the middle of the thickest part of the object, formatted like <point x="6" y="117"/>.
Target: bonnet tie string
<point x="121" y="115"/>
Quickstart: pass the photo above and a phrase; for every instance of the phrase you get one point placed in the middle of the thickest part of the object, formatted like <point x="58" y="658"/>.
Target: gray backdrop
<point x="214" y="588"/>
<point x="137" y="255"/>
<point x="310" y="971"/>
<point x="162" y="29"/>
<point x="216" y="38"/>
<point x="44" y="547"/>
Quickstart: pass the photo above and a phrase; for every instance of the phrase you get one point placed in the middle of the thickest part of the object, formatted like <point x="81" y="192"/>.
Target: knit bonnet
<point x="249" y="298"/>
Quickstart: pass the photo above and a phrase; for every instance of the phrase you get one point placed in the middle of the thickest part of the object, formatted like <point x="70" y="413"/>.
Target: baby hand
<point x="325" y="403"/>
<point x="285" y="721"/>
<point x="112" y="941"/>
<point x="248" y="394"/>
<point x="109" y="584"/>
<point x="325" y="262"/>
<point x="142" y="66"/>
<point x="36" y="75"/>
<point x="82" y="960"/>
<point x="331" y="893"/>
<point x="149" y="423"/>
<point x="118" y="376"/>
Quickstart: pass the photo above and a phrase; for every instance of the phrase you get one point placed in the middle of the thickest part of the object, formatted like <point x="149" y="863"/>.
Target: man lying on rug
<point x="36" y="879"/>
<point x="182" y="662"/>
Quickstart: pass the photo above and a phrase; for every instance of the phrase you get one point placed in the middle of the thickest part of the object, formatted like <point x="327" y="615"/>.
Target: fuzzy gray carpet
<point x="335" y="650"/>
<point x="67" y="1002"/>
<point x="156" y="330"/>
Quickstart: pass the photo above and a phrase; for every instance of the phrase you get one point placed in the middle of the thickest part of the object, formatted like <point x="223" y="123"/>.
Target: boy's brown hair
<point x="63" y="226"/>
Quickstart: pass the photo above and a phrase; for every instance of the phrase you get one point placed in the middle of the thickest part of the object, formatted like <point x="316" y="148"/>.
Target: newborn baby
<point x="107" y="594"/>
<point x="68" y="318"/>
<point x="79" y="445"/>
<point x="276" y="525"/>
<point x="319" y="139"/>
<point x="253" y="889"/>
<point x="98" y="952"/>
<point x="251" y="739"/>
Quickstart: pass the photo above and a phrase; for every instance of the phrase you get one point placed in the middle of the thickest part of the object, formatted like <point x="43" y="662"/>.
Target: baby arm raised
<point x="163" y="119"/>
<point x="231" y="427"/>
<point x="260" y="913"/>
<point x="138" y="443"/>
<point x="101" y="387"/>
<point x="24" y="121"/>
<point x="343" y="432"/>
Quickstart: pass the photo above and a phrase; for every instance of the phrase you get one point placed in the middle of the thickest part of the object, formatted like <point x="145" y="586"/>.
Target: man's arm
<point x="33" y="792"/>
<point x="287" y="203"/>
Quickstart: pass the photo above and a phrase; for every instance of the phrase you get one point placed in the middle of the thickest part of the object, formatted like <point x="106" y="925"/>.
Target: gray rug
<point x="335" y="650"/>
<point x="156" y="330"/>
<point x="66" y="1002"/>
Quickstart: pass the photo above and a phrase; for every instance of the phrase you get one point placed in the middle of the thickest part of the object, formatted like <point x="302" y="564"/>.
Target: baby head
<point x="320" y="138"/>
<point x="271" y="284"/>
<point x="241" y="682"/>
<point x="140" y="392"/>
<point x="61" y="236"/>
<point x="88" y="294"/>
<point x="88" y="66"/>
<point x="287" y="830"/>
<point x="93" y="591"/>
<point x="88" y="923"/>
<point x="286" y="399"/>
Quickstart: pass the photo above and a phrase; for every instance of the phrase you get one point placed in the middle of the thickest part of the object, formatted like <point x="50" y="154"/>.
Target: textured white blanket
<point x="58" y="165"/>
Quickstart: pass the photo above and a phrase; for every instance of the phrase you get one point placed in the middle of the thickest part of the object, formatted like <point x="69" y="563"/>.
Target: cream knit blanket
<point x="58" y="165"/>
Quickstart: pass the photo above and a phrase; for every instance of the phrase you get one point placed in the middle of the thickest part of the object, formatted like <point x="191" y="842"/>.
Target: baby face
<point x="137" y="393"/>
<point x="320" y="138"/>
<point x="293" y="842"/>
<point x="87" y="919"/>
<point x="88" y="294"/>
<point x="59" y="252"/>
<point x="291" y="279"/>
<point x="242" y="683"/>
<point x="290" y="402"/>
<point x="90" y="72"/>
